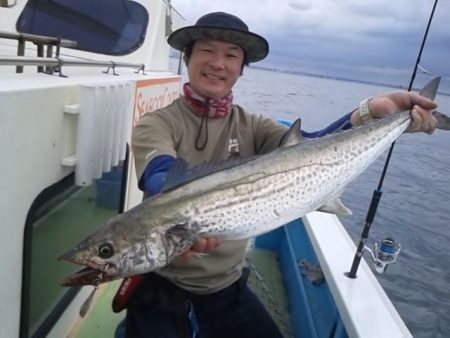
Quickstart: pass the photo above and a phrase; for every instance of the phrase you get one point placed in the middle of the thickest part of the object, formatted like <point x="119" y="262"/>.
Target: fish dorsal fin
<point x="293" y="135"/>
<point x="176" y="174"/>
<point x="181" y="173"/>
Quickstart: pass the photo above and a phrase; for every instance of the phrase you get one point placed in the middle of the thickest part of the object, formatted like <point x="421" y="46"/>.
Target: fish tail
<point x="443" y="120"/>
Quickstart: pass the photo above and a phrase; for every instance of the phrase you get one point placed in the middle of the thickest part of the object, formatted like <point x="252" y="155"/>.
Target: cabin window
<point x="113" y="27"/>
<point x="62" y="215"/>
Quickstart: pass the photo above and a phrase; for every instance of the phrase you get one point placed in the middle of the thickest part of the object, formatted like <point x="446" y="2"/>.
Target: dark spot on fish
<point x="136" y="260"/>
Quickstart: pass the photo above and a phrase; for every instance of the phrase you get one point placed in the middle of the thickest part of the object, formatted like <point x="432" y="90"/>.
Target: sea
<point x="414" y="209"/>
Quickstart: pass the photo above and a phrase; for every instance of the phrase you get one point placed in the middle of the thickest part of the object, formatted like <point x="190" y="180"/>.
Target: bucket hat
<point x="225" y="27"/>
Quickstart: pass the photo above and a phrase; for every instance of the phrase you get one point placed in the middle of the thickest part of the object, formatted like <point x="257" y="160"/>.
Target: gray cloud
<point x="378" y="38"/>
<point x="300" y="5"/>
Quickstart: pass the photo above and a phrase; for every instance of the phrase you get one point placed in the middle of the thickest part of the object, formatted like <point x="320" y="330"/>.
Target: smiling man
<point x="209" y="294"/>
<point x="202" y="125"/>
<point x="213" y="67"/>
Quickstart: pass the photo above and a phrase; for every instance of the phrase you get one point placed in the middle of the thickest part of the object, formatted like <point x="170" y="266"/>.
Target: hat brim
<point x="255" y="45"/>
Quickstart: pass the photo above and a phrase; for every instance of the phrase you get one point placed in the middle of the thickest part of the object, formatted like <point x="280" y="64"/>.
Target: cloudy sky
<point x="374" y="40"/>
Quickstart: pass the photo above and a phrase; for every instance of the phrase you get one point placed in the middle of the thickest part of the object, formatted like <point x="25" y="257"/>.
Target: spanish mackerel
<point x="237" y="199"/>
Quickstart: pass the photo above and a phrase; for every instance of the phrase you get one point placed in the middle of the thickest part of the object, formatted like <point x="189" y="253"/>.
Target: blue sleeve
<point x="154" y="174"/>
<point x="342" y="124"/>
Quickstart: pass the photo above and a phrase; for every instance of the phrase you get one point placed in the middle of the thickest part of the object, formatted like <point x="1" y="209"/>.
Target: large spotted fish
<point x="237" y="199"/>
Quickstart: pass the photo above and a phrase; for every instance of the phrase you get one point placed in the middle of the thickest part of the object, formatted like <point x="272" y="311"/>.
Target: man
<point x="205" y="125"/>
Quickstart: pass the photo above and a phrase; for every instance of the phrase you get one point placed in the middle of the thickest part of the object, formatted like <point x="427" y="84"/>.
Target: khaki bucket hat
<point x="225" y="27"/>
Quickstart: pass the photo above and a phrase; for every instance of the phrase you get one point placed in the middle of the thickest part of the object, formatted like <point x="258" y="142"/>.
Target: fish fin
<point x="431" y="88"/>
<point x="443" y="120"/>
<point x="181" y="230"/>
<point x="180" y="173"/>
<point x="430" y="91"/>
<point x="176" y="175"/>
<point x="293" y="135"/>
<point x="335" y="206"/>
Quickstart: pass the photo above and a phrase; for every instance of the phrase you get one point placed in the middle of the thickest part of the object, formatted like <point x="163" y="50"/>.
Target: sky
<point x="368" y="40"/>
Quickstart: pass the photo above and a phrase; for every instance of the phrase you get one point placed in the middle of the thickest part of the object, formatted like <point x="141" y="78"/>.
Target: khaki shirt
<point x="173" y="131"/>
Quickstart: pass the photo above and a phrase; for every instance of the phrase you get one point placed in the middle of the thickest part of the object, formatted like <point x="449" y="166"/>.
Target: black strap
<point x="205" y="117"/>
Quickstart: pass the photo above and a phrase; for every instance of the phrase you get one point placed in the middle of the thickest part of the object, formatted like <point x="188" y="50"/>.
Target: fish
<point x="236" y="199"/>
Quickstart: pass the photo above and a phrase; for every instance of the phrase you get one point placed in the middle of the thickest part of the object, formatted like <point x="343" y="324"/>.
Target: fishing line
<point x="427" y="72"/>
<point x="376" y="197"/>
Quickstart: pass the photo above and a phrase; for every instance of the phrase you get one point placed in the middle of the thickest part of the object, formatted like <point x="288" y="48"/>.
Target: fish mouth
<point x="85" y="276"/>
<point x="93" y="274"/>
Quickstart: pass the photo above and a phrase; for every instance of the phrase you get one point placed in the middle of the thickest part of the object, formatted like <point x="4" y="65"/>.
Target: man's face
<point x="214" y="67"/>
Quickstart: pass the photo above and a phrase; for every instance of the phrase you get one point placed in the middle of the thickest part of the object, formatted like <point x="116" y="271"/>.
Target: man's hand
<point x="422" y="108"/>
<point x="203" y="245"/>
<point x="422" y="120"/>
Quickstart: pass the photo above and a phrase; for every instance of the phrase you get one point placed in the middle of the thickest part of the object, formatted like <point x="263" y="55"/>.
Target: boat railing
<point x="41" y="41"/>
<point x="55" y="64"/>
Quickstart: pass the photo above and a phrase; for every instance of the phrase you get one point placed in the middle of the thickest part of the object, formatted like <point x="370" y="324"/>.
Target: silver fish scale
<point x="254" y="198"/>
<point x="284" y="186"/>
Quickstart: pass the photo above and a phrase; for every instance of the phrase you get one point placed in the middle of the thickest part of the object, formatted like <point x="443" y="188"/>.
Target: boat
<point x="75" y="77"/>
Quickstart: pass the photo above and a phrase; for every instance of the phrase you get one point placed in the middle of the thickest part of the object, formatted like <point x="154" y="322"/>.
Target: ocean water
<point x="414" y="209"/>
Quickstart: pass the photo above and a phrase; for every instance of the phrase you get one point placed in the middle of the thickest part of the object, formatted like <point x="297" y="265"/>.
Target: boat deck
<point x="267" y="282"/>
<point x="100" y="320"/>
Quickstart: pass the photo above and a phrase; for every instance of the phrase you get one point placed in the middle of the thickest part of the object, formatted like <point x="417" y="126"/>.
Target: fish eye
<point x="106" y="250"/>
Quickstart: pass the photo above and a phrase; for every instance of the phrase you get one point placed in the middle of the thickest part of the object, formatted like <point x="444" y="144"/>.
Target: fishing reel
<point x="384" y="254"/>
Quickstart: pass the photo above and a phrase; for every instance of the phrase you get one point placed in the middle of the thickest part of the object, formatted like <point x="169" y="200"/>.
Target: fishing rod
<point x="388" y="251"/>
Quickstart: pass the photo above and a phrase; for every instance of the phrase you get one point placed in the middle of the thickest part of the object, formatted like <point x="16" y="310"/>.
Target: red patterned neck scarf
<point x="215" y="107"/>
